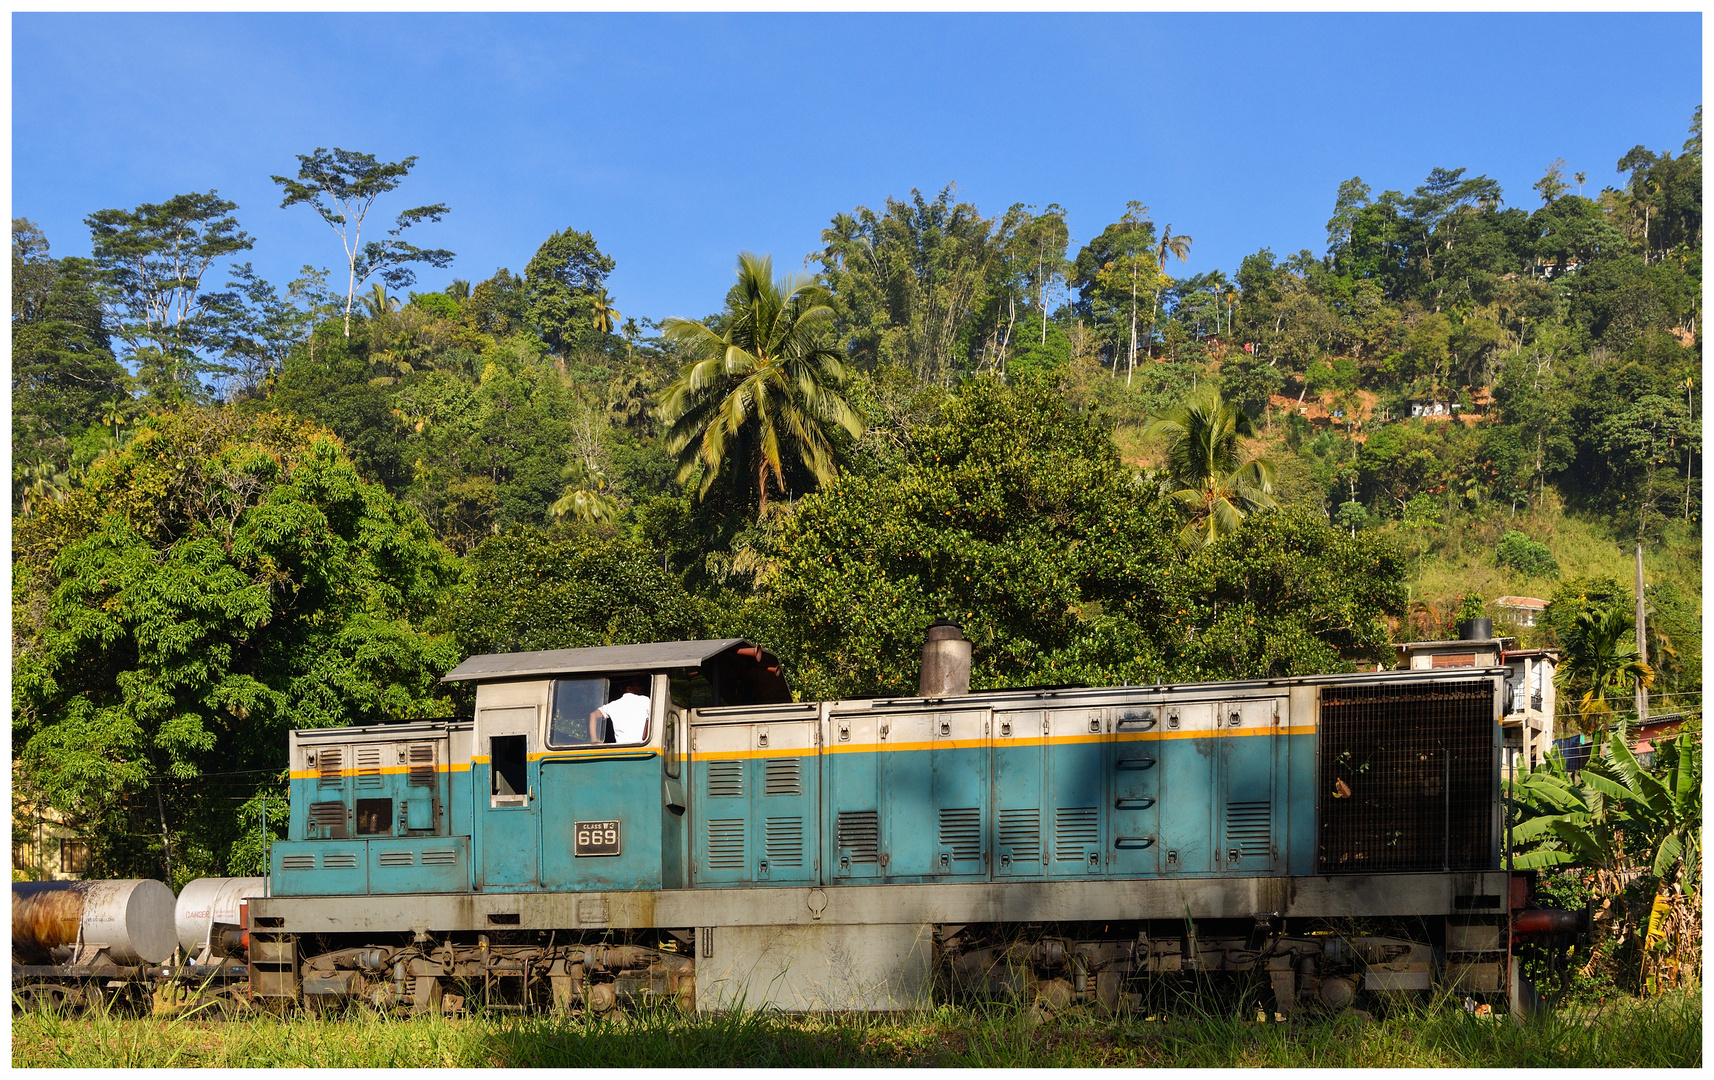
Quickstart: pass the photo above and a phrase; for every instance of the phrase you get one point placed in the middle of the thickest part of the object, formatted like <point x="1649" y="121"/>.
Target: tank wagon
<point x="1322" y="838"/>
<point x="81" y="943"/>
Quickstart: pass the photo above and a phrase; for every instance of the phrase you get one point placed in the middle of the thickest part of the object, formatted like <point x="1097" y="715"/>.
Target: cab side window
<point x="573" y="701"/>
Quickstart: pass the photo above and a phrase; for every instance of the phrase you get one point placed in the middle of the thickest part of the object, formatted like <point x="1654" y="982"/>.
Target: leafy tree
<point x="528" y="589"/>
<point x="151" y="262"/>
<point x="565" y="289"/>
<point x="1011" y="514"/>
<point x="768" y="384"/>
<point x="1249" y="382"/>
<point x="1113" y="270"/>
<point x="1204" y="473"/>
<point x="499" y="306"/>
<point x="223" y="578"/>
<point x="260" y="328"/>
<point x="1286" y="594"/>
<point x="64" y="376"/>
<point x="341" y="187"/>
<point x="919" y="285"/>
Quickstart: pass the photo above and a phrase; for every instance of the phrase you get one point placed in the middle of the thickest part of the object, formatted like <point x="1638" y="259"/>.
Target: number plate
<point x="597" y="838"/>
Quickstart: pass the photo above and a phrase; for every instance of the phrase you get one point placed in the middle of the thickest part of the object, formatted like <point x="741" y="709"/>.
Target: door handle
<point x="1134" y="804"/>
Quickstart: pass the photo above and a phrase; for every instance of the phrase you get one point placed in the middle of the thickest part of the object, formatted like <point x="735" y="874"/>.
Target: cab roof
<point x="654" y="656"/>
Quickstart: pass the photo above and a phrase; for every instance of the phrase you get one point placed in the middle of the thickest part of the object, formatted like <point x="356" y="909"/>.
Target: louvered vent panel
<point x="783" y="841"/>
<point x="1020" y="833"/>
<point x="726" y="844"/>
<point x="860" y="835"/>
<point x="1249" y="828"/>
<point x="783" y="776"/>
<point x="369" y="766"/>
<point x="441" y="857"/>
<point x="339" y="860"/>
<point x="961" y="832"/>
<point x="329" y="762"/>
<point x="298" y="862"/>
<point x="396" y="858"/>
<point x="1074" y="828"/>
<point x="422" y="764"/>
<point x="726" y="779"/>
<point x="327" y="813"/>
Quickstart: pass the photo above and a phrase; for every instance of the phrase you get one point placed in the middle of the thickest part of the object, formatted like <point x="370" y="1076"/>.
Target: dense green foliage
<point x="960" y="416"/>
<point x="221" y="580"/>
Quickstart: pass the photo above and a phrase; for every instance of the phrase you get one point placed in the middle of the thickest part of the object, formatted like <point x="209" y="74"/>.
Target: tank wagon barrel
<point x="207" y="905"/>
<point x="130" y="921"/>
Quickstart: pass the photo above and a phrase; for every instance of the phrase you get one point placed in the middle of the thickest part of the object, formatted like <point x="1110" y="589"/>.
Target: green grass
<point x="1663" y="1032"/>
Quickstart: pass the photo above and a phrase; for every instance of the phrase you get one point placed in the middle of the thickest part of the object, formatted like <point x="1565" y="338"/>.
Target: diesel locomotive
<point x="1318" y="840"/>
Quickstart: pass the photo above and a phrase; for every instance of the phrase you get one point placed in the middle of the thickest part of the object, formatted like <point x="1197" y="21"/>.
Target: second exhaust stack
<point x="945" y="661"/>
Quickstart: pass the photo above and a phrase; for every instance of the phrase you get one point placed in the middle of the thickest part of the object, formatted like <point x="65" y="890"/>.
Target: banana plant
<point x="1615" y="815"/>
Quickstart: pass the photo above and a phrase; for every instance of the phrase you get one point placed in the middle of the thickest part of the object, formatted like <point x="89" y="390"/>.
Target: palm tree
<point x="769" y="382"/>
<point x="590" y="504"/>
<point x="1176" y="245"/>
<point x="603" y="313"/>
<point x="1598" y="658"/>
<point x="1205" y="475"/>
<point x="379" y="303"/>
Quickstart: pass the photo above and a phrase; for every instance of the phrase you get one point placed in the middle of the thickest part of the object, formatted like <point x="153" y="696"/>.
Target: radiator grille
<point x="339" y="860"/>
<point x="726" y="779"/>
<point x="329" y="762"/>
<point x="782" y="839"/>
<point x="860" y="835"/>
<point x="726" y="844"/>
<point x="298" y="862"/>
<point x="1249" y="828"/>
<point x="961" y="832"/>
<point x="396" y="858"/>
<point x="1405" y="777"/>
<point x="1020" y="834"/>
<point x="1074" y="828"/>
<point x="440" y="857"/>
<point x="422" y="764"/>
<point x="782" y="776"/>
<point x="368" y="766"/>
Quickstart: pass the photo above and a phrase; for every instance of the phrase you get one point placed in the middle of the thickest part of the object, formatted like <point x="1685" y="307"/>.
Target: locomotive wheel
<point x="46" y="997"/>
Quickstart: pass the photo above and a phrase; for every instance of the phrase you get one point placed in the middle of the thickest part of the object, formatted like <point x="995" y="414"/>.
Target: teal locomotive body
<point x="893" y="838"/>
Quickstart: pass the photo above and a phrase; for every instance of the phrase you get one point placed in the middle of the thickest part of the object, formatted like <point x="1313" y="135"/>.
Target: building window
<point x="74" y="856"/>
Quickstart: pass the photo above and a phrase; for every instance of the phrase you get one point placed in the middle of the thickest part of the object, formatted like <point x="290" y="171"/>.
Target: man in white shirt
<point x="628" y="714"/>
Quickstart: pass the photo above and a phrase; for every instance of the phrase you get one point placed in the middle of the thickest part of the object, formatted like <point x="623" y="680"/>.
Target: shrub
<point x="1526" y="556"/>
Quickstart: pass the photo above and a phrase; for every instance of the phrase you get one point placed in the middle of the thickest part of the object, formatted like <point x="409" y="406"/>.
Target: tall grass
<point x="1661" y="1032"/>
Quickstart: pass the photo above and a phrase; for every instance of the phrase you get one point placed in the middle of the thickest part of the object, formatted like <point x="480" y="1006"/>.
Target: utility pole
<point x="1642" y="642"/>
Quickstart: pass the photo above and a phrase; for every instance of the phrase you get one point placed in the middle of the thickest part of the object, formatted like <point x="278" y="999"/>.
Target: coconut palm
<point x="1204" y="473"/>
<point x="586" y="503"/>
<point x="602" y="312"/>
<point x="1598" y="658"/>
<point x="379" y="303"/>
<point x="766" y="386"/>
<point x="1170" y="244"/>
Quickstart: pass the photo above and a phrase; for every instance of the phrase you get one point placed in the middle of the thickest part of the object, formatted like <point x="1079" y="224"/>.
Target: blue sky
<point x="679" y="140"/>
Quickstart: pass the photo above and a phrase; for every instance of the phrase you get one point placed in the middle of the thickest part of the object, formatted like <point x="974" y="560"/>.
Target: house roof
<point x="654" y="656"/>
<point x="1521" y="602"/>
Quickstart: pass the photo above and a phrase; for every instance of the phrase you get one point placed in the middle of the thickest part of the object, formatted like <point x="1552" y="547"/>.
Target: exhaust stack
<point x="945" y="661"/>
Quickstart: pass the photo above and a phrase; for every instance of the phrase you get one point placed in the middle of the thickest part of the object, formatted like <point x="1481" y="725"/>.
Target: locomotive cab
<point x="568" y="777"/>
